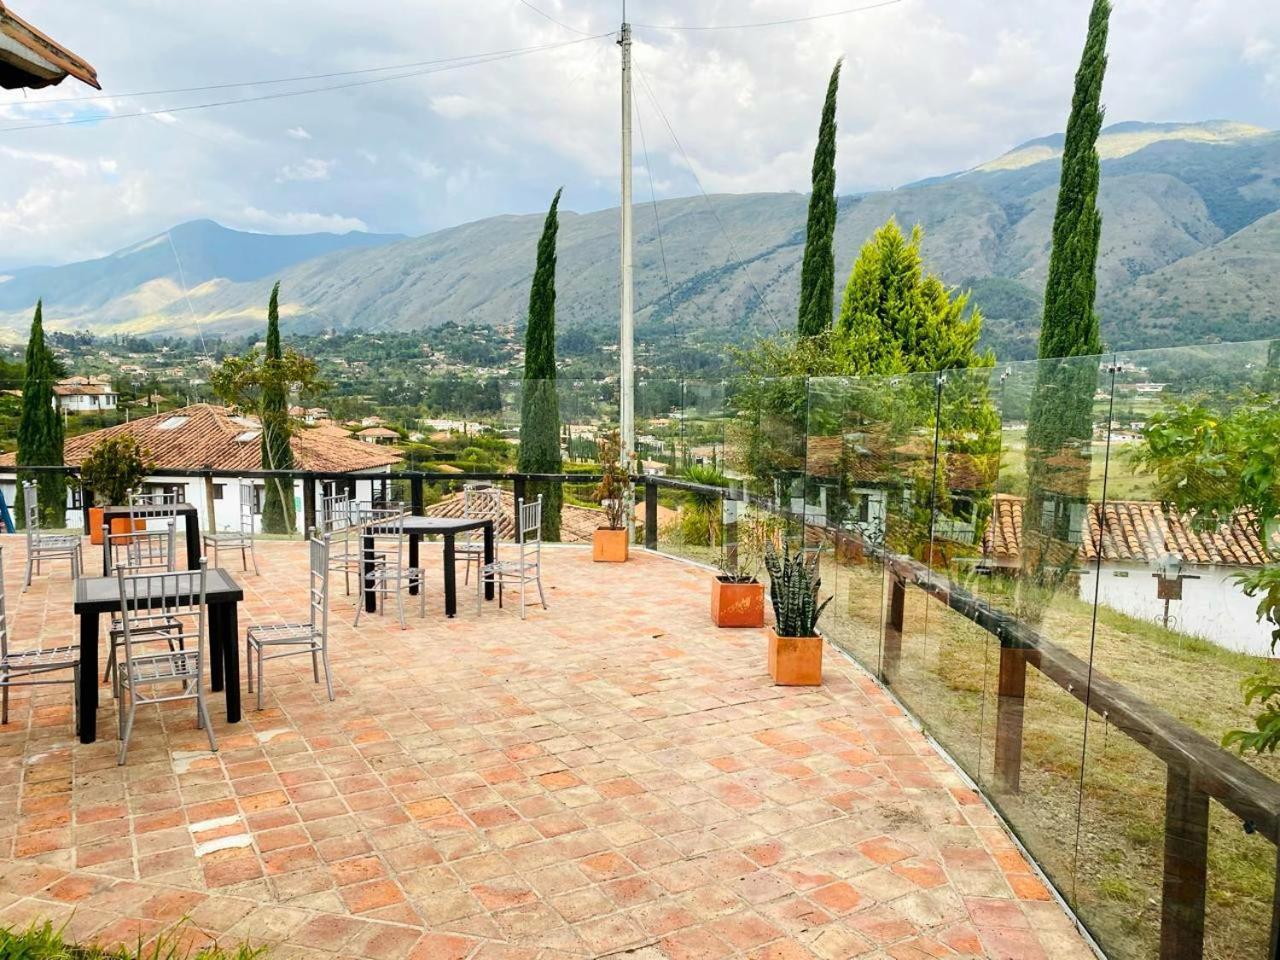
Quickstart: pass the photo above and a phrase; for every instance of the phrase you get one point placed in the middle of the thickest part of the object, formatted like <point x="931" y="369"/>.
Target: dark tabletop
<point x="437" y="524"/>
<point x="102" y="594"/>
<point x="149" y="510"/>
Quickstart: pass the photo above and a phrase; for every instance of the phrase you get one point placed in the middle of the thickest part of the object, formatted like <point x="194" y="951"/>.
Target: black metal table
<point x="188" y="513"/>
<point x="417" y="528"/>
<point x="98" y="595"/>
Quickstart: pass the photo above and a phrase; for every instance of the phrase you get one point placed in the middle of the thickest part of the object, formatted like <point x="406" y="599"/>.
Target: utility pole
<point x="626" y="330"/>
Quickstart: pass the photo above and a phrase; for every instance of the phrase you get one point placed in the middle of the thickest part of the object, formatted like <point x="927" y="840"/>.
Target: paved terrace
<point x="614" y="776"/>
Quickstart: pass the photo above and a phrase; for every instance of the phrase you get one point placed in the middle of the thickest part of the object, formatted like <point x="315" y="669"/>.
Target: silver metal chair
<point x="524" y="570"/>
<point x="479" y="502"/>
<point x="46" y="546"/>
<point x="390" y="575"/>
<point x="31" y="668"/>
<point x="238" y="537"/>
<point x="141" y="551"/>
<point x="146" y="678"/>
<point x="292" y="639"/>
<point x="337" y="520"/>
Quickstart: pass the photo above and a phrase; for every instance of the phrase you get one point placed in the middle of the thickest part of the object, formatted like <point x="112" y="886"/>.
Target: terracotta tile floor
<point x="613" y="776"/>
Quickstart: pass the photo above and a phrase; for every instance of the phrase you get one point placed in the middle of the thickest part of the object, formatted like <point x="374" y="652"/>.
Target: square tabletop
<point x="95" y="595"/>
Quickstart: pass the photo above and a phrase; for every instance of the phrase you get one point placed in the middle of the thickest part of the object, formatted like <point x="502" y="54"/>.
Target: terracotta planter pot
<point x="737" y="604"/>
<point x="609" y="546"/>
<point x="795" y="661"/>
<point x="118" y="525"/>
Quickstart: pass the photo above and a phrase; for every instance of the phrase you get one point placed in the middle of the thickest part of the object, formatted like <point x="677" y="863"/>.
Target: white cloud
<point x="295" y="221"/>
<point x="108" y="166"/>
<point x="312" y="169"/>
<point x="298" y="133"/>
<point x="50" y="162"/>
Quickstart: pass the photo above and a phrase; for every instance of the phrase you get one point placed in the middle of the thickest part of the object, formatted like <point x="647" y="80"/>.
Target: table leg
<point x="231" y="658"/>
<point x="88" y="677"/>
<point x="413" y="564"/>
<point x="106" y="554"/>
<point x="450" y="578"/>
<point x="217" y="636"/>
<point x="488" y="557"/>
<point x="366" y="574"/>
<point x="193" y="540"/>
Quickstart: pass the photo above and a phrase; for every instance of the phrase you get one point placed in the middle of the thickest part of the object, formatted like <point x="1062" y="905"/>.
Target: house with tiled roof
<point x="206" y="436"/>
<point x="1125" y="544"/>
<point x="85" y="395"/>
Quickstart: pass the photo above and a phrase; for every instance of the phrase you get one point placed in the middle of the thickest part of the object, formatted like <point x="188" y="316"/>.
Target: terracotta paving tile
<point x="594" y="779"/>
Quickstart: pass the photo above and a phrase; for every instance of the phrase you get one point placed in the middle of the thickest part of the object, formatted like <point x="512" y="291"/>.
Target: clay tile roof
<point x="204" y="435"/>
<point x="1138" y="531"/>
<point x="381" y="432"/>
<point x="28" y="58"/>
<point x="576" y="523"/>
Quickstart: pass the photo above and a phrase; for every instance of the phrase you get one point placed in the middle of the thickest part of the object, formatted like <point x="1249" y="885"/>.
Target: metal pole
<point x="626" y="330"/>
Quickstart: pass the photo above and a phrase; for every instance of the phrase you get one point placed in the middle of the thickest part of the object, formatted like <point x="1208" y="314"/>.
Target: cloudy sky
<point x="930" y="86"/>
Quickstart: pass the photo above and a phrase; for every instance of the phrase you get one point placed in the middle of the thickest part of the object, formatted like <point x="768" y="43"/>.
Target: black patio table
<point x="417" y="528"/>
<point x="98" y="595"/>
<point x="188" y="513"/>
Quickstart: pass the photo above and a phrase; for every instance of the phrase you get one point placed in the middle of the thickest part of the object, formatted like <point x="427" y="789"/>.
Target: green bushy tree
<point x="818" y="270"/>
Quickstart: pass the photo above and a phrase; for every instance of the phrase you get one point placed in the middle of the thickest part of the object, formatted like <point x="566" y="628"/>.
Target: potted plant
<point x="113" y="466"/>
<point x="737" y="595"/>
<point x="795" y="648"/>
<point x="609" y="543"/>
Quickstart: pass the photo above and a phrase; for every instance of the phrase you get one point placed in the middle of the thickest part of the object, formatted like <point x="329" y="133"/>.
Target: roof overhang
<point x="30" y="59"/>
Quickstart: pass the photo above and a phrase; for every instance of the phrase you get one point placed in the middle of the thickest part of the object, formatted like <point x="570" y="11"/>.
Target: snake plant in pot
<point x="795" y="648"/>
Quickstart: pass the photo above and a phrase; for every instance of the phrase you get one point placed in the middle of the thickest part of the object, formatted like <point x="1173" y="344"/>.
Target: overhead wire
<point x="479" y="60"/>
<point x="657" y="221"/>
<point x="547" y="16"/>
<point x="733" y="250"/>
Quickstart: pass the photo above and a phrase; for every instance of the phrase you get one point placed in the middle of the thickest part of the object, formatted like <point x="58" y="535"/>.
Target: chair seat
<point x="159" y="667"/>
<point x="391" y="575"/>
<point x="55" y="541"/>
<point x="227" y="538"/>
<point x="146" y="623"/>
<point x="510" y="566"/>
<point x="52" y="658"/>
<point x="283" y="633"/>
<point x="473" y="549"/>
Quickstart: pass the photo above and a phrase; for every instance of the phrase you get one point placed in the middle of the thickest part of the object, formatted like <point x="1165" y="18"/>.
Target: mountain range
<point x="1190" y="253"/>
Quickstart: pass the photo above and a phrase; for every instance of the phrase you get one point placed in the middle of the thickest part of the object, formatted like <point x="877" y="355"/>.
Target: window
<point x="77" y="497"/>
<point x="172" y="492"/>
<point x="219" y="491"/>
<point x="864" y="509"/>
<point x="258" y="494"/>
<point x="172" y="423"/>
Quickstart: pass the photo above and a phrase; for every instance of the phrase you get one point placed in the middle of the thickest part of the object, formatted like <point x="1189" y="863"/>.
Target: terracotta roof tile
<point x="204" y="435"/>
<point x="577" y="524"/>
<point x="1138" y="531"/>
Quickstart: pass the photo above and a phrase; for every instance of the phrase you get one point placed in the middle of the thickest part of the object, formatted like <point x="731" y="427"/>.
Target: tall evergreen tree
<point x="277" y="454"/>
<point x="1060" y="425"/>
<point x="40" y="430"/>
<point x="539" y="406"/>
<point x="818" y="272"/>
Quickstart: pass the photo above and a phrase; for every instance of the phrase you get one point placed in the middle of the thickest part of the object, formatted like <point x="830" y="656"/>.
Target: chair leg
<point x="4" y="700"/>
<point x="202" y="710"/>
<point x="400" y="606"/>
<point x="27" y="580"/>
<point x="315" y="664"/>
<point x="524" y="589"/>
<point x="541" y="595"/>
<point x="261" y="680"/>
<point x="328" y="679"/>
<point x="248" y="663"/>
<point x="254" y="553"/>
<point x="126" y="732"/>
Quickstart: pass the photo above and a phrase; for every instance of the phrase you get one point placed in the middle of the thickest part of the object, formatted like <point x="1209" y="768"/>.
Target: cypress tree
<point x="40" y="430"/>
<point x="277" y="505"/>
<point x="1060" y="425"/>
<point x="818" y="272"/>
<point x="539" y="406"/>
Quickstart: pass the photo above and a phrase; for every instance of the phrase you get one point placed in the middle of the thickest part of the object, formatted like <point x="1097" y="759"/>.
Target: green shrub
<point x="45" y="942"/>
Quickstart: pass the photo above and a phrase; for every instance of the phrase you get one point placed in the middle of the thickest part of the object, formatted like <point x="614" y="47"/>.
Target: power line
<point x="297" y="79"/>
<point x="733" y="251"/>
<point x="547" y="16"/>
<point x="766" y="23"/>
<point x="481" y="59"/>
<point x="653" y="197"/>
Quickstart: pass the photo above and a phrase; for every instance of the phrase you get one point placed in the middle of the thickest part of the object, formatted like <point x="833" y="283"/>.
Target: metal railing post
<point x="1011" y="702"/>
<point x="308" y="504"/>
<point x="415" y="494"/>
<point x="1186" y="866"/>
<point x="650" y="514"/>
<point x="893" y="626"/>
<point x="517" y="494"/>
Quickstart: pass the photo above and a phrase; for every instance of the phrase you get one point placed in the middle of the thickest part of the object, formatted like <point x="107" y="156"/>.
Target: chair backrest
<point x="141" y="551"/>
<point x="160" y="505"/>
<point x="246" y="508"/>
<point x="319" y="592"/>
<point x="180" y="595"/>
<point x="529" y="532"/>
<point x="335" y="512"/>
<point x="481" y="503"/>
<point x="30" y="508"/>
<point x="387" y="524"/>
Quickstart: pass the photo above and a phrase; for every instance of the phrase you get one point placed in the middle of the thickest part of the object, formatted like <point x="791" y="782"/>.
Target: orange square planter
<point x="795" y="661"/>
<point x="118" y="525"/>
<point x="609" y="546"/>
<point x="737" y="604"/>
